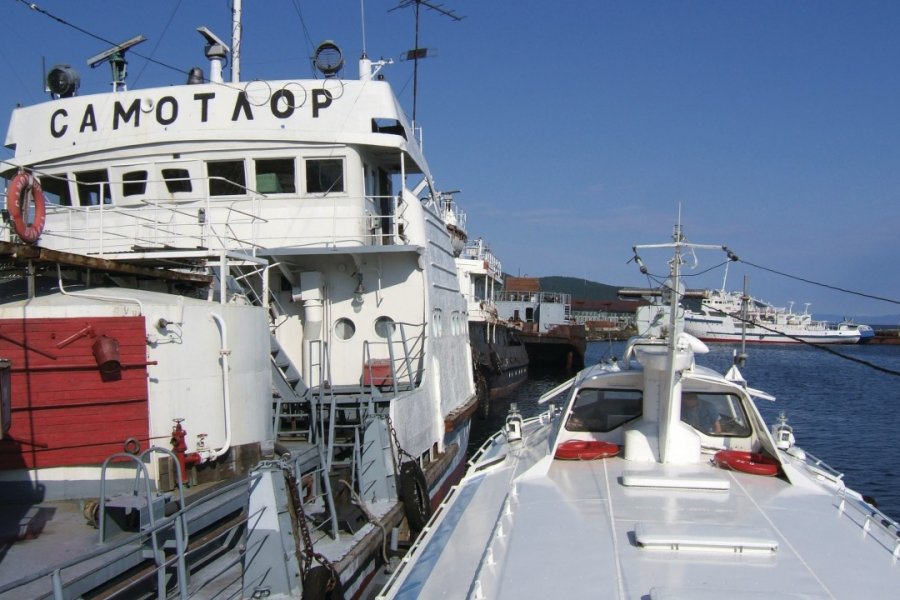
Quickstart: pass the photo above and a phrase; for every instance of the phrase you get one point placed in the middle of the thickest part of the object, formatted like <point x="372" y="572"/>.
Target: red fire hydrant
<point x="179" y="447"/>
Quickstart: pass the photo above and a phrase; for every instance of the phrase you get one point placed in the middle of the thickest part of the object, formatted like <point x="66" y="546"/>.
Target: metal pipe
<point x="224" y="353"/>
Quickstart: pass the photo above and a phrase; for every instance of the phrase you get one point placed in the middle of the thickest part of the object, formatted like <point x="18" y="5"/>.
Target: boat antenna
<point x="741" y="358"/>
<point x="362" y="18"/>
<point x="236" y="31"/>
<point x="417" y="53"/>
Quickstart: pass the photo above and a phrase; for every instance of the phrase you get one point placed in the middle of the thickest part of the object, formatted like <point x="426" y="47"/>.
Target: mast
<point x="235" y="41"/>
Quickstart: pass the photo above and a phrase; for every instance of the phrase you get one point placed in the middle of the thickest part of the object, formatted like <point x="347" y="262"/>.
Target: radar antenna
<point x="416" y="53"/>
<point x="116" y="58"/>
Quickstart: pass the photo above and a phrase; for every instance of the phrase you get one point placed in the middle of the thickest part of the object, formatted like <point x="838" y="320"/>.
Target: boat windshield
<point x="714" y="414"/>
<point x="604" y="410"/>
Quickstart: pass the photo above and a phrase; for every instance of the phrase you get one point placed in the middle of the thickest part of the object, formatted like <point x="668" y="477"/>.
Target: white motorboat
<point x="657" y="478"/>
<point x="232" y="334"/>
<point x="725" y="317"/>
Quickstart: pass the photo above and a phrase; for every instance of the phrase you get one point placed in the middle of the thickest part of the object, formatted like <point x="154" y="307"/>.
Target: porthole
<point x="384" y="327"/>
<point x="344" y="329"/>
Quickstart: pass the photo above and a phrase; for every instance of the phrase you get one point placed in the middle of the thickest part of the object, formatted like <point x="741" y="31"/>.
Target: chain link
<point x="308" y="553"/>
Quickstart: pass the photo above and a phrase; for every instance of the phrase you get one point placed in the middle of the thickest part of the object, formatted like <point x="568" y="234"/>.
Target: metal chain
<point x="307" y="554"/>
<point x="400" y="451"/>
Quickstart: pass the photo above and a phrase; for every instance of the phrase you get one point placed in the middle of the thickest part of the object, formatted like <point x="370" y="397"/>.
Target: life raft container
<point x="585" y="450"/>
<point x="746" y="462"/>
<point x="24" y="189"/>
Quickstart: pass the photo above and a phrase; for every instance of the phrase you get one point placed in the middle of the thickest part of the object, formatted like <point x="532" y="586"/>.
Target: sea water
<point x="842" y="411"/>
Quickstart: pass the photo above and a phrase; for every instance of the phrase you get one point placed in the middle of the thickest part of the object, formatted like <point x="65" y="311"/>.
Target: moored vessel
<point x="232" y="332"/>
<point x="544" y="323"/>
<point x="730" y="317"/>
<point x="499" y="357"/>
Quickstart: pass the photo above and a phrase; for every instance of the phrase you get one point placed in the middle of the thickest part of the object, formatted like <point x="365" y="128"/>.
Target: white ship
<point x="232" y="334"/>
<point x="723" y="318"/>
<point x="656" y="478"/>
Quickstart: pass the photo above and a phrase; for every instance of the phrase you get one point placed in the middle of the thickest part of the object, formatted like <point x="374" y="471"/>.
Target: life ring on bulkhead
<point x="746" y="462"/>
<point x="23" y="189"/>
<point x="414" y="495"/>
<point x="585" y="450"/>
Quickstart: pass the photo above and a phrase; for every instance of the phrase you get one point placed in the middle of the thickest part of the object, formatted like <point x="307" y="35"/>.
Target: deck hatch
<point x="688" y="482"/>
<point x="704" y="537"/>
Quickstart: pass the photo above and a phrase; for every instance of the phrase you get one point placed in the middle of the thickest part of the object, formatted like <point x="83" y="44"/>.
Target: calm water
<point x="844" y="413"/>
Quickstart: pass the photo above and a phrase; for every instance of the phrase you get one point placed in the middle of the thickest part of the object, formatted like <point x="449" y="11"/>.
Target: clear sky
<point x="576" y="129"/>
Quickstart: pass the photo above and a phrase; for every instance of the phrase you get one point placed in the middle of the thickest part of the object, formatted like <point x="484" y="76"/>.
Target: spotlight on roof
<point x="63" y="81"/>
<point x="328" y="58"/>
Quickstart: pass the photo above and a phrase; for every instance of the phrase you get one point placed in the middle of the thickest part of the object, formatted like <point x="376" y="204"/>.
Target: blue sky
<point x="576" y="129"/>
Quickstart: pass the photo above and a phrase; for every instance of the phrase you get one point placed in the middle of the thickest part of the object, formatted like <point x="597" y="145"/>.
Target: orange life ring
<point x="746" y="462"/>
<point x="585" y="450"/>
<point x="25" y="188"/>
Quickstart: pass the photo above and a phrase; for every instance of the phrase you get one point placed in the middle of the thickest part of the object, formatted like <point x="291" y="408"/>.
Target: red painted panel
<point x="63" y="413"/>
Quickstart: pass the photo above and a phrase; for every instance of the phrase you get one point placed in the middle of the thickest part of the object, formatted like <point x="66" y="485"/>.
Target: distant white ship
<point x="720" y="319"/>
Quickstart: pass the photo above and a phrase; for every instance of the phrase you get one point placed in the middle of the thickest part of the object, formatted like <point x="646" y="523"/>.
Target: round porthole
<point x="384" y="327"/>
<point x="344" y="329"/>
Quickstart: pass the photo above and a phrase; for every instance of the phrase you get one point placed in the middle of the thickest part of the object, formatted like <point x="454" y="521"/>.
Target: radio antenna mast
<point x="416" y="53"/>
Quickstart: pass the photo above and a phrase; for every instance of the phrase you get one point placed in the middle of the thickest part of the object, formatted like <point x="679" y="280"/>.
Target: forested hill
<point x="580" y="288"/>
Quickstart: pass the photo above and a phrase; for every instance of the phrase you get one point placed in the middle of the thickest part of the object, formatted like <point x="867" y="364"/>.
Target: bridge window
<point x="324" y="175"/>
<point x="275" y="176"/>
<point x="56" y="190"/>
<point x="92" y="187"/>
<point x="134" y="183"/>
<point x="604" y="410"/>
<point x="226" y="178"/>
<point x="177" y="180"/>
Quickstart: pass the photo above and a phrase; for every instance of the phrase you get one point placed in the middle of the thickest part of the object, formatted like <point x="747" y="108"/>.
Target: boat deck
<point x="624" y="529"/>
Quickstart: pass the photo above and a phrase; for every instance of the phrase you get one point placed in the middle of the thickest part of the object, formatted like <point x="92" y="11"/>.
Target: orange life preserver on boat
<point x="585" y="450"/>
<point x="746" y="462"/>
<point x="24" y="188"/>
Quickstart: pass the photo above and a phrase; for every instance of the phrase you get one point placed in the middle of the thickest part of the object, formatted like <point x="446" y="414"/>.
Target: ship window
<point x="92" y="186"/>
<point x="226" y="178"/>
<point x="324" y="175"/>
<point x="275" y="176"/>
<point x="177" y="180"/>
<point x="604" y="410"/>
<point x="56" y="190"/>
<point x="384" y="327"/>
<point x="344" y="329"/>
<point x="134" y="183"/>
<point x="437" y="325"/>
<point x="715" y="414"/>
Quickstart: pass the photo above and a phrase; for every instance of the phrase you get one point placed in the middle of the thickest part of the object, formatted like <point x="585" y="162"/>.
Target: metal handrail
<point x="55" y="571"/>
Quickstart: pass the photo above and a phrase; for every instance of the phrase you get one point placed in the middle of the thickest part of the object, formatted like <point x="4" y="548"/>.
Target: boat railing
<point x="873" y="522"/>
<point x="79" y="575"/>
<point x="402" y="368"/>
<point x="543" y="297"/>
<point x="478" y="250"/>
<point x="251" y="220"/>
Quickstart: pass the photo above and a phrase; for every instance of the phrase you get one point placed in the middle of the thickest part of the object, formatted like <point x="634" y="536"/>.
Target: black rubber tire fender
<point x="414" y="495"/>
<point x="315" y="585"/>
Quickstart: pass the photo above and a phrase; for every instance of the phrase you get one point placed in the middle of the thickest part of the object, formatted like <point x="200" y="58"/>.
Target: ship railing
<point x="252" y="220"/>
<point x="403" y="366"/>
<point x="874" y="523"/>
<point x="94" y="568"/>
<point x="545" y="297"/>
<point x="314" y="490"/>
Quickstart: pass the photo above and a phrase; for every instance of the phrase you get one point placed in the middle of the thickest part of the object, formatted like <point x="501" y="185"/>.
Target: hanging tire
<point x="316" y="584"/>
<point x="414" y="495"/>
